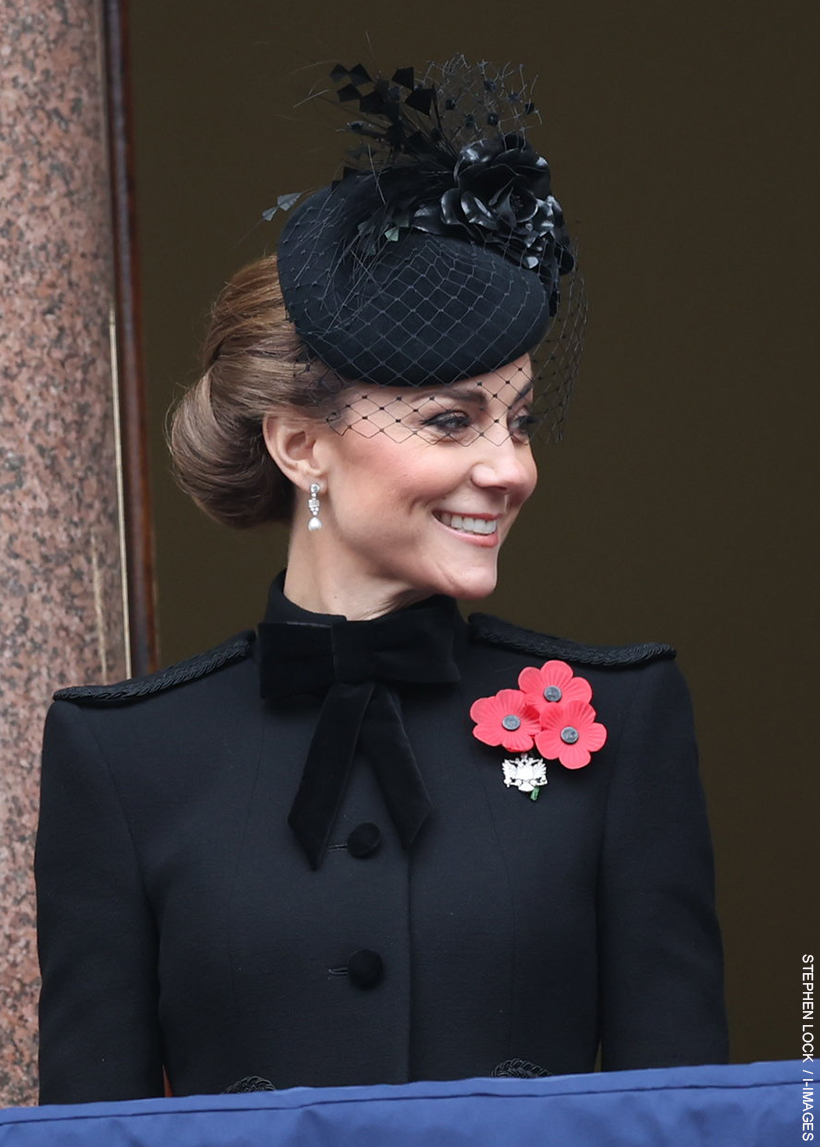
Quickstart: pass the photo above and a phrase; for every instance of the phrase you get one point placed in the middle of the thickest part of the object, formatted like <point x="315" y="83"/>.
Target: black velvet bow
<point x="351" y="662"/>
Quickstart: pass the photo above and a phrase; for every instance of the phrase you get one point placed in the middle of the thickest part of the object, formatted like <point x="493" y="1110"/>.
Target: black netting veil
<point x="435" y="280"/>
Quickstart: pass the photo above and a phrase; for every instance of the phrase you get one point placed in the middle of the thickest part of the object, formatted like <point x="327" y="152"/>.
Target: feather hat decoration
<point x="452" y="158"/>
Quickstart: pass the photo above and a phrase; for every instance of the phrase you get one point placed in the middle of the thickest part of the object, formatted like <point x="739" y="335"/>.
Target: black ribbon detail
<point x="352" y="662"/>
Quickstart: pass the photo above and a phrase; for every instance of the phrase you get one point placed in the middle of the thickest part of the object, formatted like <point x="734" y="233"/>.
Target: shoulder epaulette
<point x="236" y="648"/>
<point x="494" y="631"/>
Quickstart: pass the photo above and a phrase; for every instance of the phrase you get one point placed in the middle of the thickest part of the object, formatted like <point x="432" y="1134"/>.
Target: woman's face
<point x="423" y="486"/>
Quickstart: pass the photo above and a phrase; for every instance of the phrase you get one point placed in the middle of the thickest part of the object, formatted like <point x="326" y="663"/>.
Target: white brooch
<point x="527" y="774"/>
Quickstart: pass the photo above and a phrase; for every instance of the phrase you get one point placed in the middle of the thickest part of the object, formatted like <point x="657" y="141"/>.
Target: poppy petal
<point x="512" y="698"/>
<point x="579" y="713"/>
<point x="489" y="734"/>
<point x="549" y="744"/>
<point x="594" y="736"/>
<point x="529" y="680"/>
<point x="553" y="717"/>
<point x="574" y="756"/>
<point x="556" y="673"/>
<point x="484" y="709"/>
<point x="578" y="689"/>
<point x="517" y="741"/>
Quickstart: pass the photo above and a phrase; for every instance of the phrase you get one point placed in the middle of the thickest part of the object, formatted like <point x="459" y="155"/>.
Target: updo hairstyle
<point x="254" y="364"/>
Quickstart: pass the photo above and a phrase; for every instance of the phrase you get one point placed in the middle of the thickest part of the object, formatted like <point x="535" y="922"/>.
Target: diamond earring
<point x="315" y="522"/>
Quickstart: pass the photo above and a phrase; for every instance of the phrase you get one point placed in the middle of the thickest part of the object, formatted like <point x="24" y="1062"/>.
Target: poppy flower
<point x="569" y="733"/>
<point x="505" y="719"/>
<point x="553" y="682"/>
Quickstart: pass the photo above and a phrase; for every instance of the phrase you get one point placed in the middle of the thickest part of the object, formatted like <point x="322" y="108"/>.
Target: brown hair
<point x="254" y="364"/>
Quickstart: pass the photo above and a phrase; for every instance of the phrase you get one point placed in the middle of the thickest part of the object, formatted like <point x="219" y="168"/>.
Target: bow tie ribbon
<point x="353" y="663"/>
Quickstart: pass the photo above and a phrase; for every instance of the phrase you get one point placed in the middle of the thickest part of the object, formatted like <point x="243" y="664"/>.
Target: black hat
<point x="440" y="252"/>
<point x="438" y="255"/>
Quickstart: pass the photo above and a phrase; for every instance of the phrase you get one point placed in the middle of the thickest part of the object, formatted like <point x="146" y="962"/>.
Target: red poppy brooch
<point x="550" y="711"/>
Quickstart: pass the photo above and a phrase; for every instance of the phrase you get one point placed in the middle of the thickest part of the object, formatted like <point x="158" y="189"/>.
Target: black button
<point x="364" y="840"/>
<point x="365" y="968"/>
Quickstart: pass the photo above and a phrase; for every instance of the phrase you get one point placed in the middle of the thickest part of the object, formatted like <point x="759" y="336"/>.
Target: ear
<point x="295" y="445"/>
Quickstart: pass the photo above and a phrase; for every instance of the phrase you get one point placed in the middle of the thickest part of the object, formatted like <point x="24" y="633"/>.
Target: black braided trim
<point x="493" y="630"/>
<point x="249" y="1083"/>
<point x="234" y="649"/>
<point x="519" y="1069"/>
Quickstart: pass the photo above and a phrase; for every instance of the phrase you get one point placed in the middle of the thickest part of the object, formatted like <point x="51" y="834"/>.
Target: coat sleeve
<point x="99" y="1033"/>
<point x="660" y="953"/>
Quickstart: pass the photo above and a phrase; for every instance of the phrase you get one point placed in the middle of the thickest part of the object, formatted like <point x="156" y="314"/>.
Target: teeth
<point x="468" y="525"/>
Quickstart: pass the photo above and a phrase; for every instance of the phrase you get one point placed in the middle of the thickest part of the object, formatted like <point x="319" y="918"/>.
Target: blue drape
<point x="757" y="1105"/>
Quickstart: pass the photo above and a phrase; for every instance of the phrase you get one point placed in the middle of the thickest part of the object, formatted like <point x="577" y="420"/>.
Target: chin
<point x="470" y="586"/>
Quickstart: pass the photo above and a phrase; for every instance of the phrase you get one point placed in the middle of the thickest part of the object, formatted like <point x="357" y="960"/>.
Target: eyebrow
<point x="476" y="394"/>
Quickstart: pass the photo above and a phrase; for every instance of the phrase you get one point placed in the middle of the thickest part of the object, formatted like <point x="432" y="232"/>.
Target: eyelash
<point x="450" y="422"/>
<point x="459" y="421"/>
<point x="528" y="422"/>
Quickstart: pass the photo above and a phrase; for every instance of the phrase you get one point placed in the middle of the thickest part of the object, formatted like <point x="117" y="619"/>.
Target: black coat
<point x="180" y="923"/>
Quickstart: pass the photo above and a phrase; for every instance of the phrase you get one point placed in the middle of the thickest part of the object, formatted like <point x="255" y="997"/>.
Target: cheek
<point x="405" y="475"/>
<point x="374" y="489"/>
<point x="378" y="482"/>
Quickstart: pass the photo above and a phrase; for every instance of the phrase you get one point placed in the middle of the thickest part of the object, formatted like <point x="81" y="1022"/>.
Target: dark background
<point x="681" y="505"/>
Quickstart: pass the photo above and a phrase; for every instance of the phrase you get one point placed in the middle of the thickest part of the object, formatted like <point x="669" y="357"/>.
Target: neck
<point x="341" y="586"/>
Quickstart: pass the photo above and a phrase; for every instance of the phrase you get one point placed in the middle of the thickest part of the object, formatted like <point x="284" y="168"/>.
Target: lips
<point x="482" y="526"/>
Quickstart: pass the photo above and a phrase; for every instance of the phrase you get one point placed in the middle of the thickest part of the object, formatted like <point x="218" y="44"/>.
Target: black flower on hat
<point x="501" y="198"/>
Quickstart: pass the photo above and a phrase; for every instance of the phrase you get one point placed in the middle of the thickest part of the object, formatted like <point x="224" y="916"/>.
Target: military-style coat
<point x="182" y="926"/>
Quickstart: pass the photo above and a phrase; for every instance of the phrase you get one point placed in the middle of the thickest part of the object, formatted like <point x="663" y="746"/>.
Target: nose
<point x="507" y="466"/>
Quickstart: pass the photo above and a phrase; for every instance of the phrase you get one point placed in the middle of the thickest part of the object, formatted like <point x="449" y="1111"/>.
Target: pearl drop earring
<point x="315" y="522"/>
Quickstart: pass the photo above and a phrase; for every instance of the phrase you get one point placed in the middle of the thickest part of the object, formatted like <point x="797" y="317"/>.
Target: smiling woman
<point x="305" y="854"/>
<point x="417" y="511"/>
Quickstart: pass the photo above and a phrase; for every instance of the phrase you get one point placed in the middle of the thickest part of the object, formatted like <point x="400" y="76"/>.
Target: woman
<point x="315" y="853"/>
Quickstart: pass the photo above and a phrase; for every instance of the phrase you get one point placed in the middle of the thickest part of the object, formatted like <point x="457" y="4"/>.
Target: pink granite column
<point x="61" y="592"/>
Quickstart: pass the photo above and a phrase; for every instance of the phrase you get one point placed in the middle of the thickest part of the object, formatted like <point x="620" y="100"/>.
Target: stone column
<point x="61" y="568"/>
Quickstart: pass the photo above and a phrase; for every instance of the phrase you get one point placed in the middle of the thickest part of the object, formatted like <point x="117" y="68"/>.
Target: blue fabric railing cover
<point x="756" y="1105"/>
